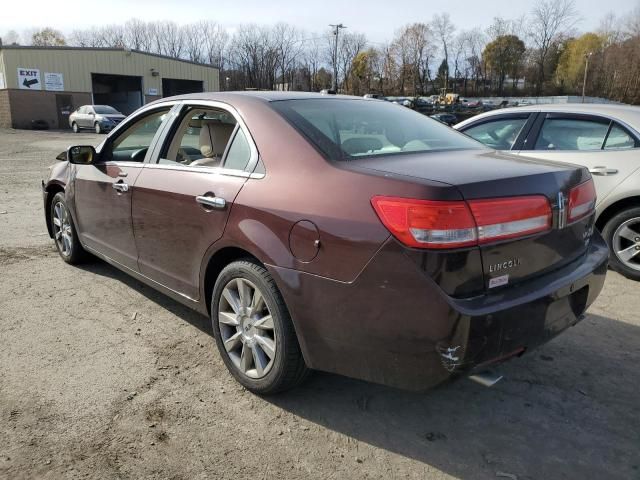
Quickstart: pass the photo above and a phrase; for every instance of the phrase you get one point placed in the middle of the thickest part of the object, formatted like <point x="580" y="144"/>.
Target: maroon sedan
<point x="334" y="233"/>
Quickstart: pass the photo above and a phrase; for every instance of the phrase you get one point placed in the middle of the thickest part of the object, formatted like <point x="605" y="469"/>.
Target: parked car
<point x="446" y="118"/>
<point x="99" y="118"/>
<point x="407" y="255"/>
<point x="604" y="138"/>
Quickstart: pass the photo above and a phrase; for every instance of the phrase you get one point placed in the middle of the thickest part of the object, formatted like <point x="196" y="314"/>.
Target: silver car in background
<point x="99" y="118"/>
<point x="604" y="138"/>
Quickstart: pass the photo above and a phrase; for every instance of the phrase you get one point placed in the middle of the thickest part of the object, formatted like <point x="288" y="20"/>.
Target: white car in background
<point x="604" y="138"/>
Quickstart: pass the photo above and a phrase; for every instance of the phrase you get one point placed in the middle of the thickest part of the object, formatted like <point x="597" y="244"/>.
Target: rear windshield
<point x="105" y="110"/>
<point x="346" y="129"/>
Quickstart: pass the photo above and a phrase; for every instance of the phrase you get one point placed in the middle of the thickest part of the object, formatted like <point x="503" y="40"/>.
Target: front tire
<point x="98" y="128"/>
<point x="622" y="234"/>
<point x="253" y="330"/>
<point x="64" y="231"/>
<point x="75" y="128"/>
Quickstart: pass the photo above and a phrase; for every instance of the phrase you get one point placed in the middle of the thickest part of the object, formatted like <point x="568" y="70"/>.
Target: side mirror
<point x="81" y="154"/>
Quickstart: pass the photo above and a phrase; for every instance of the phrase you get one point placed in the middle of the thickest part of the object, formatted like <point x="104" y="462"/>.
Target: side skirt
<point x="179" y="297"/>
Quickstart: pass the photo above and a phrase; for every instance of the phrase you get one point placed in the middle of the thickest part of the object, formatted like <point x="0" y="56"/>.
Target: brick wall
<point x="5" y="110"/>
<point x="39" y="105"/>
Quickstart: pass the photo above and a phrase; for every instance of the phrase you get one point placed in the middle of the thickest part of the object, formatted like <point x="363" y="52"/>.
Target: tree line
<point x="540" y="53"/>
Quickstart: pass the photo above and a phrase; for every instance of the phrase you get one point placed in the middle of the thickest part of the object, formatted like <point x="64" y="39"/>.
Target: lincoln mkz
<point x="334" y="233"/>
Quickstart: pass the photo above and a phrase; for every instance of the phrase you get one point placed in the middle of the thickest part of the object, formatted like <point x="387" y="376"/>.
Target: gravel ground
<point x="102" y="377"/>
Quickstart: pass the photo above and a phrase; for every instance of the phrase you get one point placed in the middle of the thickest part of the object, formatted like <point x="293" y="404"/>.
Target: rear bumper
<point x="393" y="325"/>
<point x="493" y="328"/>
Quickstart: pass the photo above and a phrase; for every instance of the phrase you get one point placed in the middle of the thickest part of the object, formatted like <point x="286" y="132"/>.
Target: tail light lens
<point x="436" y="224"/>
<point x="582" y="201"/>
<point x="427" y="223"/>
<point x="504" y="218"/>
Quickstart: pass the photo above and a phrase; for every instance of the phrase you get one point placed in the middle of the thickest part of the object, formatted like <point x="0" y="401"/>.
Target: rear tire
<point x="64" y="232"/>
<point x="253" y="330"/>
<point x="622" y="234"/>
<point x="75" y="128"/>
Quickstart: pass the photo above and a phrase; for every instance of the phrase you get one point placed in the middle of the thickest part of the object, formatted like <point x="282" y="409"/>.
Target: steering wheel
<point x="138" y="155"/>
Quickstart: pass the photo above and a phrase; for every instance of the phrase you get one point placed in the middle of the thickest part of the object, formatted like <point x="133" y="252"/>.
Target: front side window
<point x="345" y="129"/>
<point x="200" y="138"/>
<point x="498" y="134"/>
<point x="133" y="144"/>
<point x="572" y="134"/>
<point x="619" y="139"/>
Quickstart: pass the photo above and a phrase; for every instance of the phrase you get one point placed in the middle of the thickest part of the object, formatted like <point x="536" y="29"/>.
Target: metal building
<point x="48" y="83"/>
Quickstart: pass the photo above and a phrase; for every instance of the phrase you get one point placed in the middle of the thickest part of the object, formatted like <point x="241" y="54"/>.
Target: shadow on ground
<point x="568" y="410"/>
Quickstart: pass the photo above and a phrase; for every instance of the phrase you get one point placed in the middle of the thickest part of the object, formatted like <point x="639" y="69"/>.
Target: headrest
<point x="214" y="136"/>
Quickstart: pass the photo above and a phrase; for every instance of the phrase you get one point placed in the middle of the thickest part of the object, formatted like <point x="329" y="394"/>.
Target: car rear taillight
<point x="504" y="218"/>
<point x="439" y="224"/>
<point x="582" y="201"/>
<point x="427" y="223"/>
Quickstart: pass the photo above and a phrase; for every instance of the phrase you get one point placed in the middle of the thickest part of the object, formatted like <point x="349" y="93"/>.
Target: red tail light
<point x="437" y="224"/>
<point x="582" y="201"/>
<point x="427" y="223"/>
<point x="504" y="218"/>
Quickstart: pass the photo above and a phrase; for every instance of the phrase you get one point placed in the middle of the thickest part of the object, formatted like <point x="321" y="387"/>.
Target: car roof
<point x="265" y="96"/>
<point x="625" y="113"/>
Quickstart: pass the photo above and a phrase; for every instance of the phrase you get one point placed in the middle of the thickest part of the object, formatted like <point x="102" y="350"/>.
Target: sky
<point x="377" y="19"/>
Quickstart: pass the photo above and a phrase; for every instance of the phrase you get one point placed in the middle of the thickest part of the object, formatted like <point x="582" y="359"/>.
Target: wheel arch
<point x="615" y="208"/>
<point x="220" y="259"/>
<point x="52" y="189"/>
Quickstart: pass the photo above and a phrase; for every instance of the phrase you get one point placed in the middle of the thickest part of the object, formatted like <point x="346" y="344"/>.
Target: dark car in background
<point x="446" y="118"/>
<point x="406" y="254"/>
<point x="99" y="118"/>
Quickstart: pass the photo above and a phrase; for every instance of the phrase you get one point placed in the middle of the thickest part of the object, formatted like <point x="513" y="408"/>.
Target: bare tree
<point x="136" y="35"/>
<point x="549" y="18"/>
<point x="351" y="44"/>
<point x="288" y="49"/>
<point x="10" y="38"/>
<point x="444" y="30"/>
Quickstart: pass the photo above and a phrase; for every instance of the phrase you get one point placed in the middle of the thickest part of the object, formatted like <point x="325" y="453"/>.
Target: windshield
<point x="105" y="110"/>
<point x="345" y="129"/>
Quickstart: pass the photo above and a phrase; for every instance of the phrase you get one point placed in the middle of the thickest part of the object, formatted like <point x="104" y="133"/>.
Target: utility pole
<point x="587" y="56"/>
<point x="336" y="32"/>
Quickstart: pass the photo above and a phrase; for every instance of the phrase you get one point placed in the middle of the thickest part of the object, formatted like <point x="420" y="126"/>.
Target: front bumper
<point x="393" y="325"/>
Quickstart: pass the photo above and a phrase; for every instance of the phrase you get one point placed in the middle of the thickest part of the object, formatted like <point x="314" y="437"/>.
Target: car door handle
<point x="121" y="187"/>
<point x="604" y="171"/>
<point x="211" y="202"/>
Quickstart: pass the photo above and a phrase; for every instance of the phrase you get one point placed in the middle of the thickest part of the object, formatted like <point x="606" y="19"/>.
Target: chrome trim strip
<point x="211" y="170"/>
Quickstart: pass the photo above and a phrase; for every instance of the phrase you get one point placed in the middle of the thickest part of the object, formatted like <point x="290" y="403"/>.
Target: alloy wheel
<point x="62" y="229"/>
<point x="247" y="328"/>
<point x="626" y="243"/>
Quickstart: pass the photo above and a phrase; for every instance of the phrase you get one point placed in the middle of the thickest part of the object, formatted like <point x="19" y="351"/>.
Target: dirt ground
<point x="102" y="377"/>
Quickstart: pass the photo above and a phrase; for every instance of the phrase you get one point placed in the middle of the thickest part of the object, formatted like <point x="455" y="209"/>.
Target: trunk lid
<point x="482" y="174"/>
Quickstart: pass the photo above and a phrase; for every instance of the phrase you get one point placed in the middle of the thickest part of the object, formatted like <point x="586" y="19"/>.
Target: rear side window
<point x="572" y="134"/>
<point x="619" y="139"/>
<point x="239" y="152"/>
<point x="346" y="129"/>
<point x="498" y="134"/>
